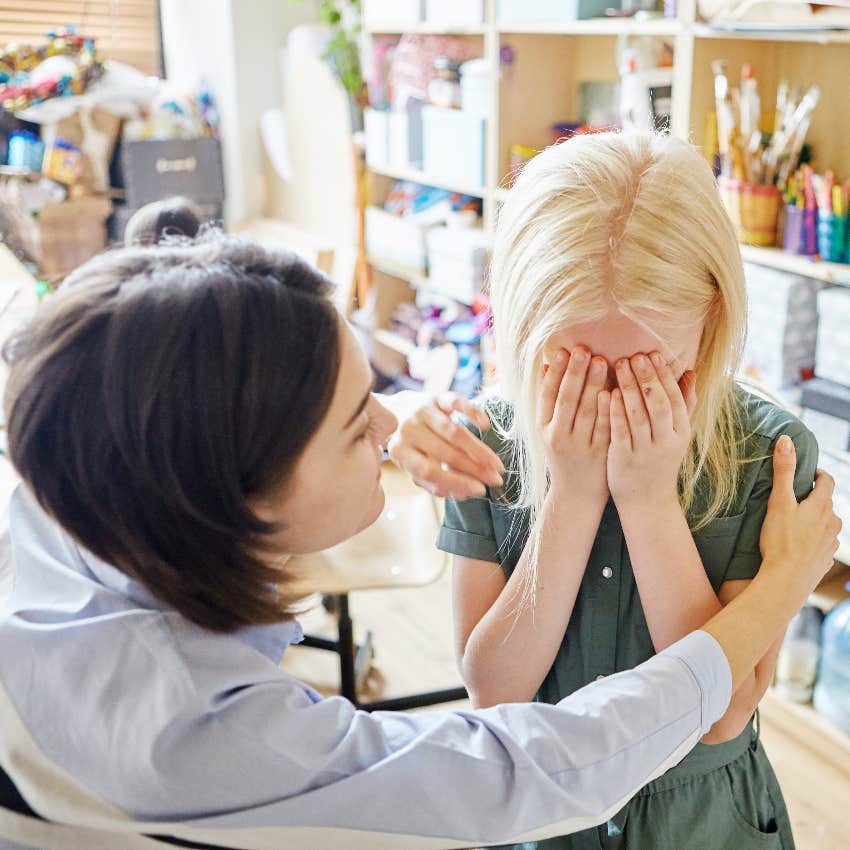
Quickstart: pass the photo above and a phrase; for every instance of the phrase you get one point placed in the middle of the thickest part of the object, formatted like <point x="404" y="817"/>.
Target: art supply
<point x="832" y="692"/>
<point x="797" y="663"/>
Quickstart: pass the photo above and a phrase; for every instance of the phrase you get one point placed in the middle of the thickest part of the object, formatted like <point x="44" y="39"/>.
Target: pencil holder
<point x="800" y="230"/>
<point x="832" y="237"/>
<point x="753" y="208"/>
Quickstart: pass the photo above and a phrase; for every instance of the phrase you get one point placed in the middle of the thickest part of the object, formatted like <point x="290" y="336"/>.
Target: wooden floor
<point x="412" y="636"/>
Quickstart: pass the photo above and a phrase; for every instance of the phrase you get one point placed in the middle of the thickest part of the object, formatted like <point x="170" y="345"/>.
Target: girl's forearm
<point x="513" y="646"/>
<point x="675" y="592"/>
<point x="677" y="596"/>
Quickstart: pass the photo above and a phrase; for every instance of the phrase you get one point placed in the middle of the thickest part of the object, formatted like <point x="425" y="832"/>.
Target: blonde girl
<point x="638" y="471"/>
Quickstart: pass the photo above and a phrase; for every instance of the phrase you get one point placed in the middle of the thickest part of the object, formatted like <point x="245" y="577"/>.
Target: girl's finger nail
<point x="561" y="356"/>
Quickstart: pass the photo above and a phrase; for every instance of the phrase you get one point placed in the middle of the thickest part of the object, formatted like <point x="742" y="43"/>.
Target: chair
<point x="397" y="551"/>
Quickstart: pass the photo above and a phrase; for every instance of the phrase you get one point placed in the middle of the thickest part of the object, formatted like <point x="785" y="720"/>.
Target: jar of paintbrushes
<point x="753" y="165"/>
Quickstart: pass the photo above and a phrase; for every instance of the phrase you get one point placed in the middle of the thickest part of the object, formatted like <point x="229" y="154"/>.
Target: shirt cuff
<point x="702" y="655"/>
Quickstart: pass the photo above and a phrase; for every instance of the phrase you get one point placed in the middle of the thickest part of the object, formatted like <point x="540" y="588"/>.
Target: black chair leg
<point x="354" y="664"/>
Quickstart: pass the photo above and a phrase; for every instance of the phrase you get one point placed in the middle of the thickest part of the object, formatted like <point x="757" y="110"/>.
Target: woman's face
<point x="616" y="336"/>
<point x="335" y="490"/>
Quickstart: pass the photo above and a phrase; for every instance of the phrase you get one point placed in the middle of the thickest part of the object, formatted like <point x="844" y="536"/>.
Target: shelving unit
<point x="541" y="87"/>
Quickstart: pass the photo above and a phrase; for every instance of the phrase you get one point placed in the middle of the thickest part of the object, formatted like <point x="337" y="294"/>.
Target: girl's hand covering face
<point x="443" y="457"/>
<point x="573" y="416"/>
<point x="650" y="430"/>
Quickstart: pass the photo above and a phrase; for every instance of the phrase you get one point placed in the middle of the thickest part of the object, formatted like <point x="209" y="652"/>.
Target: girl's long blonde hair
<point x="632" y="221"/>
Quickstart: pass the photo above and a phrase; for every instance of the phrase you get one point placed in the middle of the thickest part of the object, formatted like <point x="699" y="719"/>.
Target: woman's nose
<point x="387" y="424"/>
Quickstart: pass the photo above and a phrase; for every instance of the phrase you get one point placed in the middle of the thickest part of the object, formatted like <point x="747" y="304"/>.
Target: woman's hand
<point x="442" y="456"/>
<point x="573" y="415"/>
<point x="650" y="431"/>
<point x="798" y="540"/>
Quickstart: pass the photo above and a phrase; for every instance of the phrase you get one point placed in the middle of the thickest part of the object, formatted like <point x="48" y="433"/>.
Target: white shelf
<point x="428" y="29"/>
<point x="413" y="276"/>
<point x="597" y="26"/>
<point x="814" y="36"/>
<point x="416" y="176"/>
<point x="838" y="273"/>
<point x="394" y="341"/>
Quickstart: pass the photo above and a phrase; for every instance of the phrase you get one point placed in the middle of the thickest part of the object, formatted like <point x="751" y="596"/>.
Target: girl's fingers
<point x="633" y="402"/>
<point x="553" y="373"/>
<point x="602" y="428"/>
<point x="620" y="433"/>
<point x="572" y="385"/>
<point x="587" y="408"/>
<point x="673" y="390"/>
<point x="654" y="395"/>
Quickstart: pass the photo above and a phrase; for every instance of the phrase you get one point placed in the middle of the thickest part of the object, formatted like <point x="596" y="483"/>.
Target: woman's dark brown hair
<point x="156" y="393"/>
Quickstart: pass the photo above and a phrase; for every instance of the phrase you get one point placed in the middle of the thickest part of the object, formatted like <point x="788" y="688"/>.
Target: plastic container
<point x="800" y="231"/>
<point x="753" y="208"/>
<point x="26" y="150"/>
<point x="832" y="237"/>
<point x="832" y="691"/>
<point x="798" y="658"/>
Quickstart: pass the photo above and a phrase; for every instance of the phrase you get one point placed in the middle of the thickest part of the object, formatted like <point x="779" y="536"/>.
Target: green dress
<point x="720" y="797"/>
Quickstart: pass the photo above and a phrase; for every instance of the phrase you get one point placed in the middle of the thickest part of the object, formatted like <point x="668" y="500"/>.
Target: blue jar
<point x="832" y="691"/>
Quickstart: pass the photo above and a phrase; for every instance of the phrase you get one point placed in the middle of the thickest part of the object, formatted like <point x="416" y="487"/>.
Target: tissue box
<point x="549" y="11"/>
<point x="457" y="261"/>
<point x="783" y="327"/>
<point x="453" y="145"/>
<point x="454" y="13"/>
<point x="392" y="14"/>
<point x="395" y="239"/>
<point x="833" y="349"/>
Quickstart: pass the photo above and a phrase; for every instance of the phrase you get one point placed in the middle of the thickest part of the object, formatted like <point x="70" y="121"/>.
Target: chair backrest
<point x="398" y="550"/>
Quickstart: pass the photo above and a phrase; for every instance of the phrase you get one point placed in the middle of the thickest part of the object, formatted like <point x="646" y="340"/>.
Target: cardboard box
<point x="69" y="234"/>
<point x="95" y="133"/>
<point x="155" y="170"/>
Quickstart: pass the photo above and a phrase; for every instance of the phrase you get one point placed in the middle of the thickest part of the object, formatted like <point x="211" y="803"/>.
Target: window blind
<point x="124" y="30"/>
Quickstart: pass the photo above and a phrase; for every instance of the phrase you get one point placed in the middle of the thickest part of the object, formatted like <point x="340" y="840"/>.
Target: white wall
<point x="234" y="45"/>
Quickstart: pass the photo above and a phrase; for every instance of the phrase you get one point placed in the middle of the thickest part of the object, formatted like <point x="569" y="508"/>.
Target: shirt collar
<point x="270" y="640"/>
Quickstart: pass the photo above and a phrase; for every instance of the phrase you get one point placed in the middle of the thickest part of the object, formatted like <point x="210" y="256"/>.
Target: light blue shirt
<point x="168" y="722"/>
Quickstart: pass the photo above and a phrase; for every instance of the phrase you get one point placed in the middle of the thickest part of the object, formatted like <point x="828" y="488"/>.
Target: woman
<point x="184" y="419"/>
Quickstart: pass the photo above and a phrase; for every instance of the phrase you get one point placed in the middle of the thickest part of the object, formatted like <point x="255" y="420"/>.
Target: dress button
<point x="607" y="572"/>
<point x="600" y="677"/>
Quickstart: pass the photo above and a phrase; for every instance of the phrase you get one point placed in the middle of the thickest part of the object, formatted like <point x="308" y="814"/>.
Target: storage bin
<point x="832" y="360"/>
<point x="457" y="261"/>
<point x="155" y="170"/>
<point x="549" y="11"/>
<point x="453" y="145"/>
<point x="69" y="234"/>
<point x="394" y="239"/>
<point x="392" y="14"/>
<point x="454" y="13"/>
<point x="376" y="127"/>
